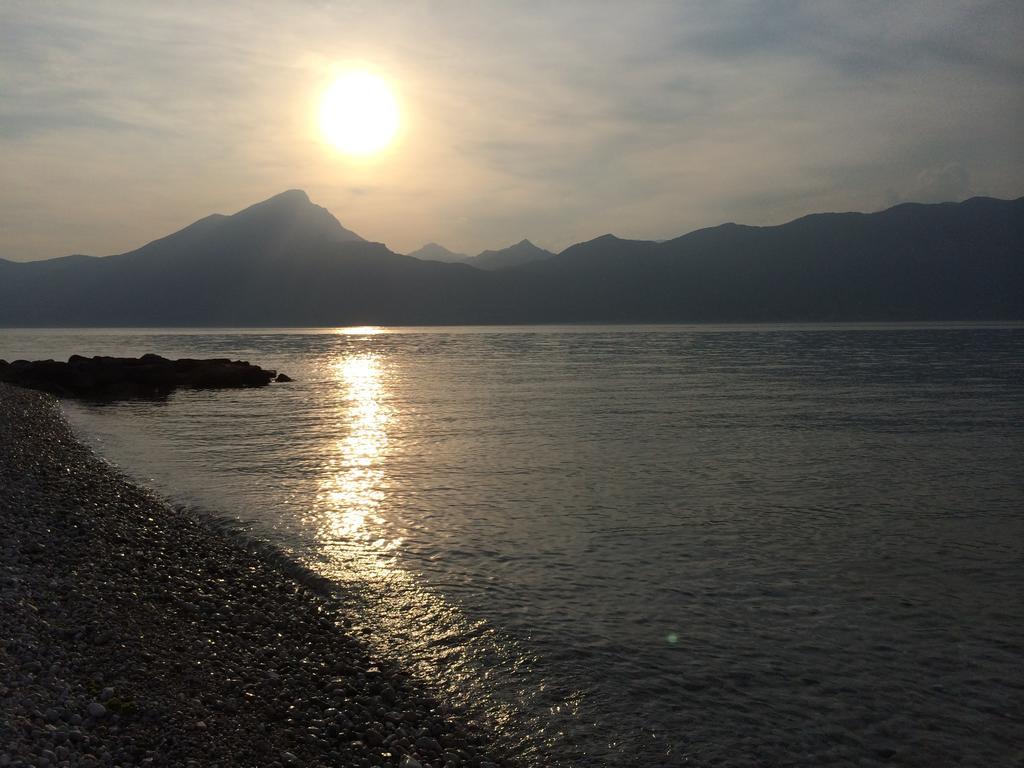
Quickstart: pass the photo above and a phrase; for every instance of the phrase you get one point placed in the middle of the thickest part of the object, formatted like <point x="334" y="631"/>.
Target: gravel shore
<point x="134" y="634"/>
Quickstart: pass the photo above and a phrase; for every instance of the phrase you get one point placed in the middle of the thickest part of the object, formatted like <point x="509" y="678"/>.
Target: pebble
<point x="427" y="744"/>
<point x="181" y="645"/>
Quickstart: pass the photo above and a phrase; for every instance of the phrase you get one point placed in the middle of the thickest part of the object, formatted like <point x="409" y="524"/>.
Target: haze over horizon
<point x="122" y="123"/>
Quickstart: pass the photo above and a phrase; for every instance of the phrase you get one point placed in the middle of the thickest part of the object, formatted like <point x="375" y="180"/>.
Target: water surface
<point x="763" y="545"/>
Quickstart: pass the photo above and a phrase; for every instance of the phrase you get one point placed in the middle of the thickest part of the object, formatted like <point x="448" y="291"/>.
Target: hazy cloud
<point x="120" y="122"/>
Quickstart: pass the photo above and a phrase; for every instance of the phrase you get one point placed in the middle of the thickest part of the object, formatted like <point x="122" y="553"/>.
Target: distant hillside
<point x="911" y="262"/>
<point x="435" y="252"/>
<point x="286" y="261"/>
<point x="523" y="252"/>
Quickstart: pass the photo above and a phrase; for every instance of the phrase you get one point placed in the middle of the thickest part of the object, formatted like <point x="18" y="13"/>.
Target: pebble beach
<point x="133" y="633"/>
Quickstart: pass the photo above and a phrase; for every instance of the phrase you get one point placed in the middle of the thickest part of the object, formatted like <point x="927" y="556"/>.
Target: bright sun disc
<point x="358" y="114"/>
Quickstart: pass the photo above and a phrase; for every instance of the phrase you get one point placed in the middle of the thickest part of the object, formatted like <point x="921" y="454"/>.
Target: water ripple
<point x="639" y="546"/>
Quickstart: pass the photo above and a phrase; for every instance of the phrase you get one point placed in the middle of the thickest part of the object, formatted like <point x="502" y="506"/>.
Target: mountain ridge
<point x="437" y="252"/>
<point x="523" y="252"/>
<point x="287" y="261"/>
<point x="514" y="255"/>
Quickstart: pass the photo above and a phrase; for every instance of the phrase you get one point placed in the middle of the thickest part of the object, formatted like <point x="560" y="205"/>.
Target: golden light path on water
<point x="360" y="536"/>
<point x="360" y="330"/>
<point x="352" y="491"/>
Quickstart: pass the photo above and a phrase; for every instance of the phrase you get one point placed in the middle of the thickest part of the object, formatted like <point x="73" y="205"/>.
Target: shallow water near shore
<point x="636" y="545"/>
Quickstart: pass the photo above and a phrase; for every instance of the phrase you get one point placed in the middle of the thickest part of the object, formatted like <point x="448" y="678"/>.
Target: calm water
<point x="638" y="546"/>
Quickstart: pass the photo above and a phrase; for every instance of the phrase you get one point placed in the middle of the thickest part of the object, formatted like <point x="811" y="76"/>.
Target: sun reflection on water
<point x="360" y="330"/>
<point x="352" y="490"/>
<point x="361" y="539"/>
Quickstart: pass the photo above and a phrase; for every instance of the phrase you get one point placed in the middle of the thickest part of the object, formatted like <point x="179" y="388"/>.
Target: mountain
<point x="912" y="262"/>
<point x="435" y="252"/>
<point x="522" y="252"/>
<point x="286" y="261"/>
<point x="283" y="261"/>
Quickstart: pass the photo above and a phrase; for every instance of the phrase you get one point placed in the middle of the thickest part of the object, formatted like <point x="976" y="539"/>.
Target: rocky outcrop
<point x="149" y="376"/>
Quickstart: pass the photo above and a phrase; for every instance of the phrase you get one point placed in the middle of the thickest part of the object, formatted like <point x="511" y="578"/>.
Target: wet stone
<point x="127" y="623"/>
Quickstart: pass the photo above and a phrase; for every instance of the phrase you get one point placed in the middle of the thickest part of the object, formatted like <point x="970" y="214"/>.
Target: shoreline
<point x="136" y="634"/>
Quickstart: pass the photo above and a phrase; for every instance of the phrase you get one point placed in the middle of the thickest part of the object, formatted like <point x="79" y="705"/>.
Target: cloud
<point x="122" y="121"/>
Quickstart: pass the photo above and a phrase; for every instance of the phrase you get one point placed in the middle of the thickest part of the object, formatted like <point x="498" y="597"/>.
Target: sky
<point x="121" y="122"/>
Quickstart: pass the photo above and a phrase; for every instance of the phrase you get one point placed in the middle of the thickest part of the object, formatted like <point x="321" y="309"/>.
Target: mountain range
<point x="522" y="252"/>
<point x="288" y="262"/>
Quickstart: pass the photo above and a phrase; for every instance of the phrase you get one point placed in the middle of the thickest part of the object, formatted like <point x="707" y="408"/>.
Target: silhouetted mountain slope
<point x="281" y="261"/>
<point x="435" y="252"/>
<point x="326" y="284"/>
<point x="522" y="252"/>
<point x="286" y="223"/>
<point x="945" y="261"/>
<point x="288" y="262"/>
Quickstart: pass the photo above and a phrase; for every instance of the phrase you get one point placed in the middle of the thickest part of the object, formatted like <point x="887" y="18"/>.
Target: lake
<point x="635" y="545"/>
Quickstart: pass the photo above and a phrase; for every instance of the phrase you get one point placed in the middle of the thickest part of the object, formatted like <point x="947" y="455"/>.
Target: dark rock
<point x="282" y="378"/>
<point x="140" y="634"/>
<point x="150" y="376"/>
<point x="428" y="745"/>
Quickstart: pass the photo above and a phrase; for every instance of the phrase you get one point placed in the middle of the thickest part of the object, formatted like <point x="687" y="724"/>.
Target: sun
<point x="358" y="114"/>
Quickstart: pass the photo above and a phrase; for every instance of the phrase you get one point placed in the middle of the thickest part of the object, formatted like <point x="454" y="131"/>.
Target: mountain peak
<point x="437" y="252"/>
<point x="293" y="209"/>
<point x="290" y="199"/>
<point x="522" y="252"/>
<point x="297" y="195"/>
